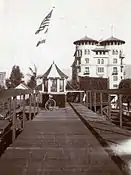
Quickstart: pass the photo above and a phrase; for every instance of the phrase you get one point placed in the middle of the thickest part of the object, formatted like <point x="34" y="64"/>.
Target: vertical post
<point x="94" y="101"/>
<point x="109" y="106"/>
<point x="14" y="120"/>
<point x="30" y="102"/>
<point x="81" y="97"/>
<point x="23" y="118"/>
<point x="34" y="96"/>
<point x="87" y="99"/>
<point x="20" y="100"/>
<point x="101" y="103"/>
<point x="9" y="106"/>
<point x="120" y="109"/>
<point x="90" y="100"/>
<point x="38" y="95"/>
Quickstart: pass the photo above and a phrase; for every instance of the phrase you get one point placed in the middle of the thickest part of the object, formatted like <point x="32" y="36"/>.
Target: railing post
<point x="9" y="106"/>
<point x="87" y="99"/>
<point x="101" y="104"/>
<point x="90" y="100"/>
<point x="109" y="106"/>
<point x="120" y="109"/>
<point x="14" y="119"/>
<point x="94" y="101"/>
<point x="30" y="102"/>
<point x="34" y="103"/>
<point x="23" y="117"/>
<point x="38" y="95"/>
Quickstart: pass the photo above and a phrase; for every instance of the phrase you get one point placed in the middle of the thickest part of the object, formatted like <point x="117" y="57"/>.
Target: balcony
<point x="121" y="55"/>
<point x="115" y="73"/>
<point x="86" y="73"/>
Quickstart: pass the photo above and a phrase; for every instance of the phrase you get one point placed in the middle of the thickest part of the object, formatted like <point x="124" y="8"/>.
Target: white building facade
<point x="99" y="59"/>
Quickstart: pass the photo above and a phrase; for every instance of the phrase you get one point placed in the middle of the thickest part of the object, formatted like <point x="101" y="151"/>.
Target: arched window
<point x="102" y="61"/>
<point x="98" y="61"/>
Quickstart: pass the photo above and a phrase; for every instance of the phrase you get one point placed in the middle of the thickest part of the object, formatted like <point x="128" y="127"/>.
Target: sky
<point x="71" y="20"/>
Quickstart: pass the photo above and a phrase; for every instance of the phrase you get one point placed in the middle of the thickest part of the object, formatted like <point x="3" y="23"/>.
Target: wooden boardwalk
<point x="56" y="143"/>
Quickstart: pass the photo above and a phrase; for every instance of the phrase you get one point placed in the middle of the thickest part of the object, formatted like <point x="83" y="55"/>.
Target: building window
<point x="102" y="61"/>
<point x="87" y="60"/>
<point x="114" y="69"/>
<point x="115" y="85"/>
<point x="116" y="52"/>
<point x="98" y="61"/>
<point x="115" y="78"/>
<point x="115" y="61"/>
<point x="86" y="51"/>
<point x="100" y="69"/>
<point x="113" y="52"/>
<point x="86" y="71"/>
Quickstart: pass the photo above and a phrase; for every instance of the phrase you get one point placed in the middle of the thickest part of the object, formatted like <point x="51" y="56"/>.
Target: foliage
<point x="126" y="84"/>
<point x="15" y="77"/>
<point x="33" y="77"/>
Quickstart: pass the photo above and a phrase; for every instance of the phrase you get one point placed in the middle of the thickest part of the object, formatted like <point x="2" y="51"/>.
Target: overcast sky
<point x="20" y="19"/>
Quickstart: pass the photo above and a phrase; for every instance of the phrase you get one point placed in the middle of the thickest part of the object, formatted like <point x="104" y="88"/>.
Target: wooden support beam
<point x="38" y="99"/>
<point x="90" y="100"/>
<point x="30" y="102"/>
<point x="94" y="101"/>
<point x="14" y="119"/>
<point x="23" y="118"/>
<point x="101" y="104"/>
<point x="109" y="106"/>
<point x="34" y="99"/>
<point x="87" y="98"/>
<point x="120" y="109"/>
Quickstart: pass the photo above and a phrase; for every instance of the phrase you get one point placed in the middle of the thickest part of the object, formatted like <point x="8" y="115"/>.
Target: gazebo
<point x="54" y="83"/>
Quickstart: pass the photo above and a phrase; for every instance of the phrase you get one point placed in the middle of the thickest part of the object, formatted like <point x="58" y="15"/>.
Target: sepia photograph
<point x="65" y="87"/>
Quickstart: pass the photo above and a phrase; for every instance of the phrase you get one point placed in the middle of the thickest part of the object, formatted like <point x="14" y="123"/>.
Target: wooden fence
<point x="103" y="98"/>
<point x="8" y="101"/>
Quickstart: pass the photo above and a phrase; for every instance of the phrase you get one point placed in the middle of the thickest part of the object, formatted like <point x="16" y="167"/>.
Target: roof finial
<point x="53" y="62"/>
<point x="112" y="30"/>
<point x="85" y="30"/>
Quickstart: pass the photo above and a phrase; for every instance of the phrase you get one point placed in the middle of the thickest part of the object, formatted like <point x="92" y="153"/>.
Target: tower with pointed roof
<point x="102" y="58"/>
<point x="54" y="83"/>
<point x="54" y="80"/>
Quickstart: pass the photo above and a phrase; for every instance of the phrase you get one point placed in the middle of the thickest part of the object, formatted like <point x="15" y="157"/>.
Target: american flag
<point x="45" y="23"/>
<point x="40" y="42"/>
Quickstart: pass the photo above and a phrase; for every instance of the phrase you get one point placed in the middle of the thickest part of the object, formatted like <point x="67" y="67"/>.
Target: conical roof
<point x="111" y="39"/>
<point x="85" y="39"/>
<point x="54" y="72"/>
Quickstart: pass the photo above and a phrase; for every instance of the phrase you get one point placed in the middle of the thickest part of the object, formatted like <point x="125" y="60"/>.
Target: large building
<point x="99" y="59"/>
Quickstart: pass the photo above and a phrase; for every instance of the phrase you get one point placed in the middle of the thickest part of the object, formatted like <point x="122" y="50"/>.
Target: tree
<point x="33" y="77"/>
<point x="15" y="77"/>
<point x="126" y="84"/>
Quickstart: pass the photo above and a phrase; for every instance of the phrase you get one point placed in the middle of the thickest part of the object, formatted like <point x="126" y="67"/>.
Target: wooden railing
<point x="9" y="97"/>
<point x="94" y="99"/>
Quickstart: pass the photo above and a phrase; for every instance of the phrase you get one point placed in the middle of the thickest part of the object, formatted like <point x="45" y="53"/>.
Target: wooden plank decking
<point x="56" y="143"/>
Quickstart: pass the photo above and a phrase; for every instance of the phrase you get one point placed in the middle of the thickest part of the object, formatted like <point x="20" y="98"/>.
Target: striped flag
<point x="40" y="42"/>
<point x="45" y="23"/>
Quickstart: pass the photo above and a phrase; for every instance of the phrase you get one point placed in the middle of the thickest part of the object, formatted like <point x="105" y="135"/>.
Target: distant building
<point x="2" y="78"/>
<point x="99" y="59"/>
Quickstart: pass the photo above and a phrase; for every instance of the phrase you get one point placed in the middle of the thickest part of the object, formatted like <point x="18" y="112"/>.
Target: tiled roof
<point x="112" y="38"/>
<point x="85" y="39"/>
<point x="54" y="72"/>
